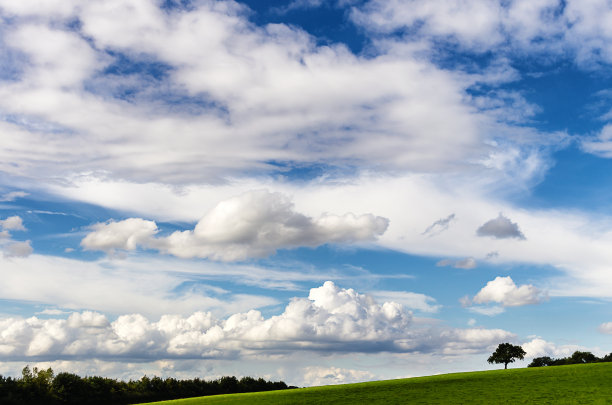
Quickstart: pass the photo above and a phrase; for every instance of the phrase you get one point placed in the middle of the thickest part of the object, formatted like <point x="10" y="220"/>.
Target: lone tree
<point x="507" y="353"/>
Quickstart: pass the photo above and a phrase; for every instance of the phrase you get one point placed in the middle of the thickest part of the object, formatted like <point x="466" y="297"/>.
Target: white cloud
<point x="472" y="340"/>
<point x="14" y="223"/>
<point x="575" y="243"/>
<point x="553" y="27"/>
<point x="500" y="228"/>
<point x="13" y="195"/>
<point x="11" y="248"/>
<point x="298" y="5"/>
<point x="606" y="328"/>
<point x="589" y="31"/>
<point x="539" y="347"/>
<point x="76" y="61"/>
<point x="52" y="311"/>
<point x="410" y="300"/>
<point x="503" y="291"/>
<point x="139" y="285"/>
<point x="601" y="145"/>
<point x="18" y="249"/>
<point x="49" y="8"/>
<point x="127" y="235"/>
<point x="473" y="24"/>
<point x="317" y="376"/>
<point x="332" y="319"/>
<point x="274" y="96"/>
<point x="493" y="310"/>
<point x="254" y="224"/>
<point x="467" y="263"/>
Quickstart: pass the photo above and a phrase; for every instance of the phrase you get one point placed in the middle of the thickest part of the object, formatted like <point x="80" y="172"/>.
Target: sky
<point x="312" y="191"/>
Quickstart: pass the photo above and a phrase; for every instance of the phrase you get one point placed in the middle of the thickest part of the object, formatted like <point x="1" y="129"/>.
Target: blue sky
<point x="314" y="191"/>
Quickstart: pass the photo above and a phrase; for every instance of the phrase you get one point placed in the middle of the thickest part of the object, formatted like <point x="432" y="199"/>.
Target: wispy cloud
<point x="13" y="195"/>
<point x="439" y="226"/>
<point x="410" y="300"/>
<point x="467" y="263"/>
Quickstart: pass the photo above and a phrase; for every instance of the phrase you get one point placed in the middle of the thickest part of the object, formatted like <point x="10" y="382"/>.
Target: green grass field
<point x="575" y="384"/>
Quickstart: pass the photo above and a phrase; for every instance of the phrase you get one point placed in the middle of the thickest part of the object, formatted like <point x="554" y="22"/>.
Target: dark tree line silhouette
<point x="43" y="387"/>
<point x="577" y="358"/>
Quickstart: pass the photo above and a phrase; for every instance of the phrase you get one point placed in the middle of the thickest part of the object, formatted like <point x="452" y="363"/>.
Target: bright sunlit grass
<point x="573" y="384"/>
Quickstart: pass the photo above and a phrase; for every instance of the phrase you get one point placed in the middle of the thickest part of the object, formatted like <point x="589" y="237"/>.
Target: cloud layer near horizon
<point x="331" y="319"/>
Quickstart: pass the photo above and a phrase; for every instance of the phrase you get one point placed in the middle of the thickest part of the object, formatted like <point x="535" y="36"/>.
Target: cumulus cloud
<point x="438" y="226"/>
<point x="254" y="224"/>
<point x="606" y="328"/>
<point x="505" y="292"/>
<point x="500" y="228"/>
<point x="11" y="248"/>
<point x="576" y="243"/>
<point x="125" y="235"/>
<point x="553" y="27"/>
<point x="330" y="319"/>
<point x="18" y="249"/>
<point x="249" y="95"/>
<point x="14" y="223"/>
<point x="538" y="347"/>
<point x="472" y="24"/>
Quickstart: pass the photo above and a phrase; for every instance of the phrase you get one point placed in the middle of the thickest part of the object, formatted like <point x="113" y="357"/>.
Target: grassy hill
<point x="574" y="384"/>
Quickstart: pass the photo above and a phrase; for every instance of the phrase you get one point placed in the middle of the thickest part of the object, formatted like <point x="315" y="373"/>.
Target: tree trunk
<point x="505" y="366"/>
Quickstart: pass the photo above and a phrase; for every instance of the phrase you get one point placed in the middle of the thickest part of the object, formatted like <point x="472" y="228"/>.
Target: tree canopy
<point x="45" y="388"/>
<point x="577" y="357"/>
<point x="507" y="353"/>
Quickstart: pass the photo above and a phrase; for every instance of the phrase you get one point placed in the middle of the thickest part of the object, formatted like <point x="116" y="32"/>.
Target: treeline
<point x="576" y="358"/>
<point x="43" y="387"/>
